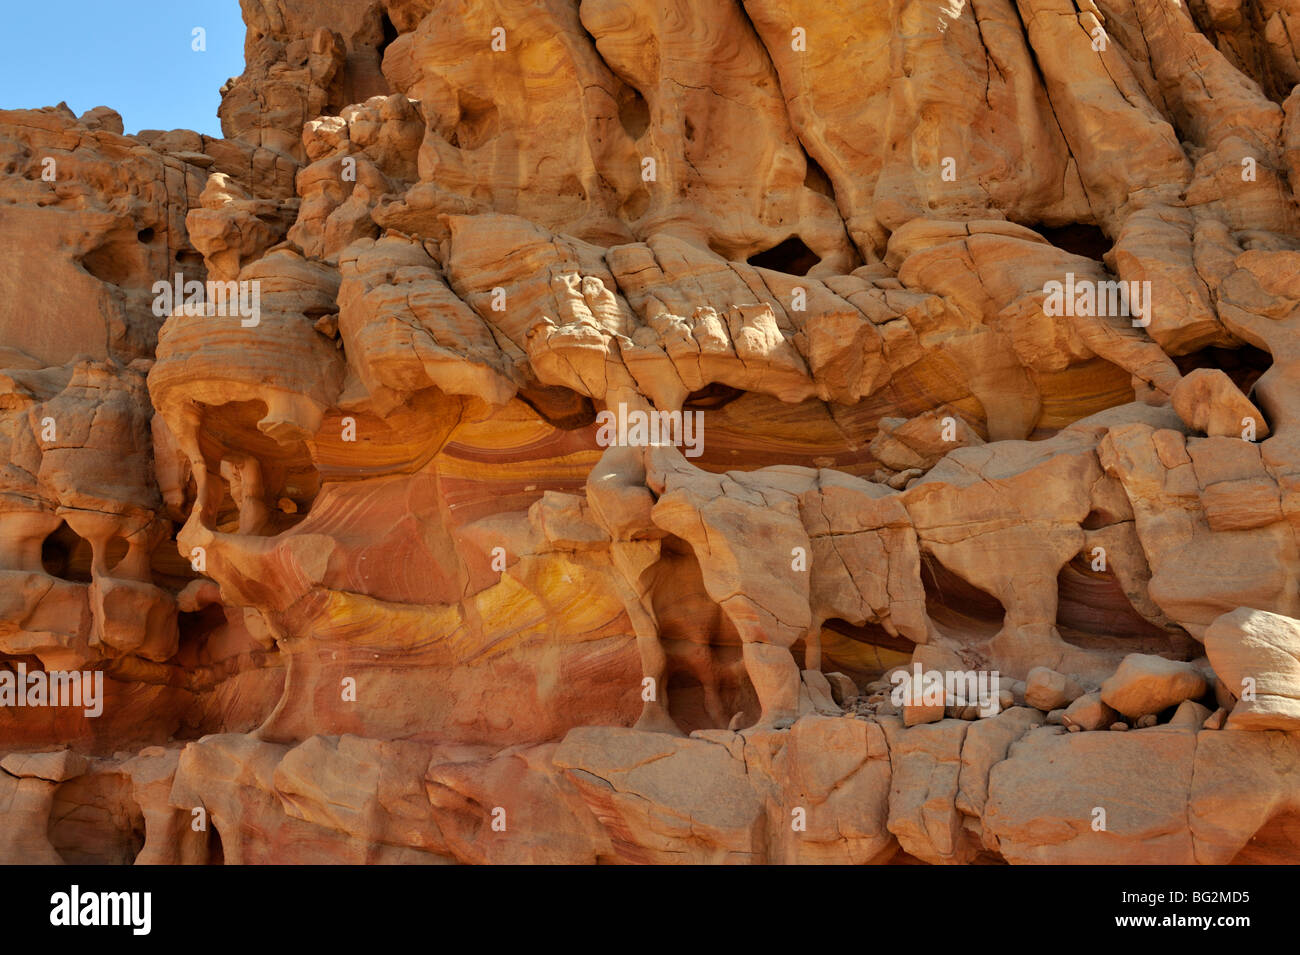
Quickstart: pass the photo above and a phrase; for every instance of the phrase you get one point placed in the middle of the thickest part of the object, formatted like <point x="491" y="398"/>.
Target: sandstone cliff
<point x="970" y="326"/>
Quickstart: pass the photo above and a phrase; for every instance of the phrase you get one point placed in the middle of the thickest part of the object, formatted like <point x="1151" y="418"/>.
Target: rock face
<point x="724" y="431"/>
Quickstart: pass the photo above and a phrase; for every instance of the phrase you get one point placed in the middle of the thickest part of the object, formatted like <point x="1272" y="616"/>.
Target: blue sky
<point x="132" y="55"/>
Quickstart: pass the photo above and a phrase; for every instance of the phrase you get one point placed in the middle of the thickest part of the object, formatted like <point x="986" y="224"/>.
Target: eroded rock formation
<point x="966" y="332"/>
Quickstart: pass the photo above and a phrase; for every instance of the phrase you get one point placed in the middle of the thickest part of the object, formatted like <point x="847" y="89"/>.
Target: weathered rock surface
<point x="1257" y="656"/>
<point x="1144" y="685"/>
<point x="1088" y="712"/>
<point x="1047" y="690"/>
<point x="593" y="408"/>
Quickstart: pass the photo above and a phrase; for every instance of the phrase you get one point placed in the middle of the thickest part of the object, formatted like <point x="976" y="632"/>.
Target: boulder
<point x="1146" y="684"/>
<point x="1256" y="655"/>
